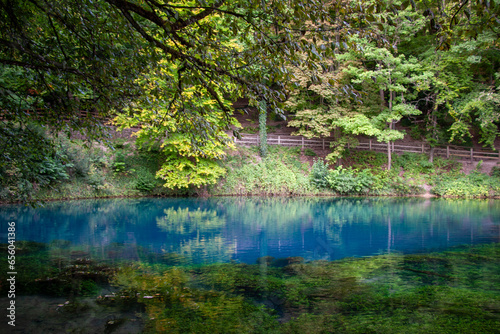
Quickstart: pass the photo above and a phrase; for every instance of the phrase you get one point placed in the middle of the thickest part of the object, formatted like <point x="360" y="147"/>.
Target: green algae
<point x="456" y="291"/>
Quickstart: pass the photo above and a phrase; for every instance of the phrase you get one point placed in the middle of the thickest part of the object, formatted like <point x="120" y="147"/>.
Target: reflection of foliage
<point x="188" y="221"/>
<point x="209" y="248"/>
<point x="206" y="224"/>
<point x="329" y="215"/>
<point x="218" y="229"/>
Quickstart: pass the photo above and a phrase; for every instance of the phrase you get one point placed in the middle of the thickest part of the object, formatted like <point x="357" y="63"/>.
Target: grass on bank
<point x="77" y="169"/>
<point x="366" y="175"/>
<point x="280" y="173"/>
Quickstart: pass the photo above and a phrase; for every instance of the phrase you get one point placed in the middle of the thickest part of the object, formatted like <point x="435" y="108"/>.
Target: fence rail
<point x="373" y="145"/>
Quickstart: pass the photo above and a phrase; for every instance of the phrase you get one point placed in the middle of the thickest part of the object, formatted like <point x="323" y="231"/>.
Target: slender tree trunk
<point x="336" y="139"/>
<point x="263" y="128"/>
<point x="382" y="100"/>
<point x="390" y="99"/>
<point x="391" y="125"/>
<point x="389" y="157"/>
<point x="434" y="128"/>
<point x="434" y="135"/>
<point x="431" y="154"/>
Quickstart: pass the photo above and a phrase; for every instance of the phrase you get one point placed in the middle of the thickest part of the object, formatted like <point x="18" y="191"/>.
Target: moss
<point x="456" y="291"/>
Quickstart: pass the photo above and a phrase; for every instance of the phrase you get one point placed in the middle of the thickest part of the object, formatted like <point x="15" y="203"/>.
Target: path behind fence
<point x="373" y="145"/>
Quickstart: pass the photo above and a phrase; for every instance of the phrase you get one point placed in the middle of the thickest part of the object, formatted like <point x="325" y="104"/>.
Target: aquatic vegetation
<point x="456" y="291"/>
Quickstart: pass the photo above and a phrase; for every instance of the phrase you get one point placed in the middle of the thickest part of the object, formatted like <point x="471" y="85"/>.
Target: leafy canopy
<point x="172" y="68"/>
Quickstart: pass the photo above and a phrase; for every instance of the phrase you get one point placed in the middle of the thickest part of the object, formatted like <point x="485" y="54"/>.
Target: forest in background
<point x="173" y="70"/>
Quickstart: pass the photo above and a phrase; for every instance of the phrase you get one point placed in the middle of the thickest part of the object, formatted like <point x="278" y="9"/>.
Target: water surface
<point x="190" y="230"/>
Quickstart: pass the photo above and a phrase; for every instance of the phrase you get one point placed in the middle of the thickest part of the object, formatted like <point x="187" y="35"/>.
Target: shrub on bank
<point x="280" y="173"/>
<point x="319" y="173"/>
<point x="474" y="185"/>
<point x="350" y="181"/>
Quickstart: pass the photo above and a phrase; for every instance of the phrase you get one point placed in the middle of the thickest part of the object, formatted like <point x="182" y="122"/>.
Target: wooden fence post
<point x="279" y="142"/>
<point x="471" y="154"/>
<point x="302" y="142"/>
<point x="423" y="148"/>
<point x="324" y="146"/>
<point x="447" y="152"/>
<point x="370" y="145"/>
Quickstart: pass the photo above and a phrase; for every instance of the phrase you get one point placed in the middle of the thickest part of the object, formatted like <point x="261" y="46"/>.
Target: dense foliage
<point x="69" y="170"/>
<point x="280" y="173"/>
<point x="172" y="69"/>
<point x="433" y="63"/>
<point x="35" y="162"/>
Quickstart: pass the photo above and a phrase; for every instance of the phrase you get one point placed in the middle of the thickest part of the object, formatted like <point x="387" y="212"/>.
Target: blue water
<point x="191" y="230"/>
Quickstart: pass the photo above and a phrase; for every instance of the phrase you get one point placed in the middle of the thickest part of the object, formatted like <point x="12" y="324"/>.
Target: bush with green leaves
<point x="119" y="165"/>
<point x="319" y="174"/>
<point x="365" y="159"/>
<point x="413" y="162"/>
<point x="95" y="179"/>
<point x="495" y="172"/>
<point x="349" y="181"/>
<point x="83" y="156"/>
<point x="403" y="186"/>
<point x="29" y="160"/>
<point x="280" y="173"/>
<point x="474" y="185"/>
<point x="145" y="181"/>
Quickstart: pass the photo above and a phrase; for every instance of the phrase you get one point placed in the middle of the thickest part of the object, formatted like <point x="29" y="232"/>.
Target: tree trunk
<point x="382" y="100"/>
<point x="263" y="128"/>
<point x="391" y="124"/>
<point x="434" y="136"/>
<point x="389" y="157"/>
<point x="336" y="136"/>
<point x="431" y="155"/>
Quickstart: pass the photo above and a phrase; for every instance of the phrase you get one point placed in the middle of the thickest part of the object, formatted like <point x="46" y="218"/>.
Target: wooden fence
<point x="373" y="145"/>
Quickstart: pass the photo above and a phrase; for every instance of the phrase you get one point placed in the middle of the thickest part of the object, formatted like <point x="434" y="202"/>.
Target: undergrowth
<point x="70" y="169"/>
<point x="280" y="173"/>
<point x="366" y="174"/>
<point x="80" y="169"/>
<point x="473" y="185"/>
